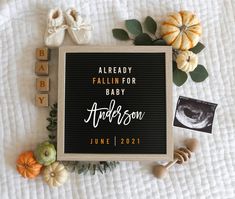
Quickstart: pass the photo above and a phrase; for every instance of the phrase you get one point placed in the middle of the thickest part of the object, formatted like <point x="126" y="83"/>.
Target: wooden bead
<point x="42" y="100"/>
<point x="179" y="157"/>
<point x="182" y="155"/>
<point x="41" y="68"/>
<point x="192" y="144"/>
<point x="159" y="171"/>
<point x="186" y="151"/>
<point x="42" y="54"/>
<point x="42" y="83"/>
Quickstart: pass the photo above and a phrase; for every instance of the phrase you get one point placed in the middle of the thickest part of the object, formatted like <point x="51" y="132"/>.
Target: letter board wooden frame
<point x="115" y="103"/>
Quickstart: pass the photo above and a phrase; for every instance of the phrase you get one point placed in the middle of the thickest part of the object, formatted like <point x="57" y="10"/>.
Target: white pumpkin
<point x="181" y="30"/>
<point x="187" y="61"/>
<point x="55" y="174"/>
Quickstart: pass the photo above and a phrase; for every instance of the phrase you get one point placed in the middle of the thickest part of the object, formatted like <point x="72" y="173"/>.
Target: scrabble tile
<point x="42" y="54"/>
<point x="41" y="68"/>
<point x="42" y="83"/>
<point x="41" y="100"/>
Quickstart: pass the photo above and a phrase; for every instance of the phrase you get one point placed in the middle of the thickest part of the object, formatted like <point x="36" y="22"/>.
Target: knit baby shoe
<point x="55" y="31"/>
<point x="79" y="31"/>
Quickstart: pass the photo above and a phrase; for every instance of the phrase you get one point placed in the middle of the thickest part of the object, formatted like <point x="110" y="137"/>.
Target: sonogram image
<point x="194" y="114"/>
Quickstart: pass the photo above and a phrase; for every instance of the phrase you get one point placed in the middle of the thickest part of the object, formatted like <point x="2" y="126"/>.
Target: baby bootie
<point x="55" y="31"/>
<point x="79" y="31"/>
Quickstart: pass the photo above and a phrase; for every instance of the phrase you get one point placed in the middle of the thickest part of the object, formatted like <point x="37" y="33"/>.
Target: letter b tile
<point x="42" y="84"/>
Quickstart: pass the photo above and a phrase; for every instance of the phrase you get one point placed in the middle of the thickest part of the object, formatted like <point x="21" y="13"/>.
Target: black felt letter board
<point x="115" y="103"/>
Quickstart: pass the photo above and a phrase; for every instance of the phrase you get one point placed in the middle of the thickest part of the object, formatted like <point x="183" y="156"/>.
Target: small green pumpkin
<point x="45" y="153"/>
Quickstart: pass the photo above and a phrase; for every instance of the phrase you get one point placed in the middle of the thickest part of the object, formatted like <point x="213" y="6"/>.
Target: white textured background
<point x="209" y="174"/>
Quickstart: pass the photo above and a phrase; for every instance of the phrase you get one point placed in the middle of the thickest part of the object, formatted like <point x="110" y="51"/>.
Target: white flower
<point x="187" y="61"/>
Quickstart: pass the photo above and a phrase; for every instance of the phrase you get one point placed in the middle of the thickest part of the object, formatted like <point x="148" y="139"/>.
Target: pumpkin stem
<point x="46" y="153"/>
<point x="182" y="28"/>
<point x="188" y="60"/>
<point x="26" y="166"/>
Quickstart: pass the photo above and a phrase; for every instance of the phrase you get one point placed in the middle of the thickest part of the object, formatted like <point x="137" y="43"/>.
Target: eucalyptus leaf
<point x="49" y="119"/>
<point x="179" y="76"/>
<point x="51" y="127"/>
<point x="199" y="74"/>
<point x="143" y="39"/>
<point x="85" y="170"/>
<point x="150" y="25"/>
<point x="94" y="169"/>
<point x="133" y="26"/>
<point x="99" y="167"/>
<point x="81" y="170"/>
<point x="198" y="48"/>
<point x="159" y="42"/>
<point x="53" y="113"/>
<point x="51" y="137"/>
<point x="105" y="168"/>
<point x="89" y="165"/>
<point x="120" y="34"/>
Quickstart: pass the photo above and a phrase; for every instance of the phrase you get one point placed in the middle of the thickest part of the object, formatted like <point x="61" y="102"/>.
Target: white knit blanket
<point x="211" y="171"/>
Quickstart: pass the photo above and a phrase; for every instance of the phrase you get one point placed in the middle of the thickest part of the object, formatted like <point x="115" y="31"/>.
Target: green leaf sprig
<point x="52" y="126"/>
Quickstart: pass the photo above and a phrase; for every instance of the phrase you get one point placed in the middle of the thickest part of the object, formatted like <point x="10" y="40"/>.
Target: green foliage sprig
<point x="52" y="126"/>
<point x="80" y="167"/>
<point x="146" y="35"/>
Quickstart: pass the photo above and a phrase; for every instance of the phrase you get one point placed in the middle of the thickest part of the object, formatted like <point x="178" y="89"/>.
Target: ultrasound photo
<point x="194" y="114"/>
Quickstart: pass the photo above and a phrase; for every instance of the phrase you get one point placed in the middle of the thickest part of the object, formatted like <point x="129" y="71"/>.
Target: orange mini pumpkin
<point x="27" y="165"/>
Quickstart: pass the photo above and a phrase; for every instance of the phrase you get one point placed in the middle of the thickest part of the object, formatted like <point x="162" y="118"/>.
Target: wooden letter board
<point x="115" y="103"/>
